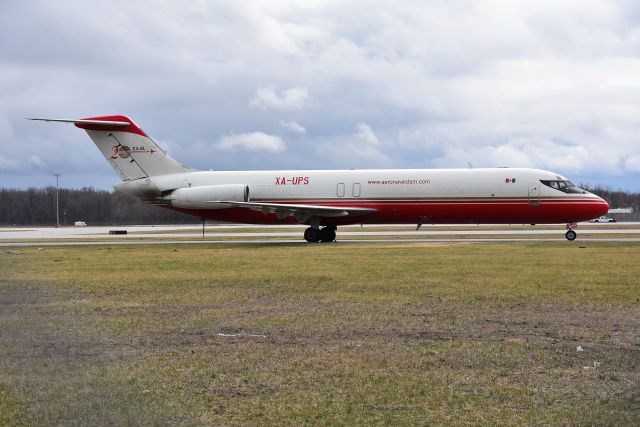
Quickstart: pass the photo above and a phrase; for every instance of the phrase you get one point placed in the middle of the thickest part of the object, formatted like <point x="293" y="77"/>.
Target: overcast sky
<point x="233" y="85"/>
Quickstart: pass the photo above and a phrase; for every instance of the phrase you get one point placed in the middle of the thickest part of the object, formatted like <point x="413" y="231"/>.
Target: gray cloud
<point x="293" y="126"/>
<point x="294" y="98"/>
<point x="8" y="164"/>
<point x="366" y="134"/>
<point x="253" y="141"/>
<point x="496" y="83"/>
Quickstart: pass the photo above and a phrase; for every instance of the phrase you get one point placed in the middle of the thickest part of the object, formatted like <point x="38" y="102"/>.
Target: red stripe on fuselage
<point x="359" y="201"/>
<point x="430" y="212"/>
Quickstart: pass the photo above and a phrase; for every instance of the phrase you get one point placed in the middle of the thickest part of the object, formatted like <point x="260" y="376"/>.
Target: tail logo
<point x="123" y="151"/>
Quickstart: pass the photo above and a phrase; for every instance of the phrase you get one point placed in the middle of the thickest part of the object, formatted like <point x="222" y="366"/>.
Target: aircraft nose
<point x="603" y="208"/>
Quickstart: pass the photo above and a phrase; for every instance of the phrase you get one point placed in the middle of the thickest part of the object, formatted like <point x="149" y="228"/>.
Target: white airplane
<point x="325" y="199"/>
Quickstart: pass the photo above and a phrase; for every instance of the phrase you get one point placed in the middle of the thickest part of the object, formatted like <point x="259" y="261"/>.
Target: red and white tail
<point x="129" y="151"/>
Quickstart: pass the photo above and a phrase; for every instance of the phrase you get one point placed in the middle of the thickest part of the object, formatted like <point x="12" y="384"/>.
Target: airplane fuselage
<point x="411" y="196"/>
<point x="337" y="197"/>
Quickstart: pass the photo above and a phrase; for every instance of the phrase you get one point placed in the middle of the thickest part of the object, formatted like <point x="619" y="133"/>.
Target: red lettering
<point x="296" y="180"/>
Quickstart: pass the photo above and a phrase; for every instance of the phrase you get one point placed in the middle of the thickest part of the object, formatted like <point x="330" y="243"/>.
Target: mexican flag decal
<point x="509" y="180"/>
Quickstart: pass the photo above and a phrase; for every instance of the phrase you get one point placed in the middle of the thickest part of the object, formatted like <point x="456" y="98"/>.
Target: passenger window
<point x="340" y="190"/>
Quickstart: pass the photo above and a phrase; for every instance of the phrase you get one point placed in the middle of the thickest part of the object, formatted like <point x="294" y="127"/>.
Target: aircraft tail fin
<point x="129" y="151"/>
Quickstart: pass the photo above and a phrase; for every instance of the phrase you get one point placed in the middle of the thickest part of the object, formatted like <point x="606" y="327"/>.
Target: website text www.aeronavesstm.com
<point x="399" y="181"/>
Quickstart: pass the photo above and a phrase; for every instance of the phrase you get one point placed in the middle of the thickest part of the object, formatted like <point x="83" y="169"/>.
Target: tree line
<point x="95" y="207"/>
<point x="616" y="198"/>
<point x="100" y="207"/>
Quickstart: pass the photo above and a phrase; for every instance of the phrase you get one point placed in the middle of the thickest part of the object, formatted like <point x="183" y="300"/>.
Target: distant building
<point x="624" y="214"/>
<point x="620" y="210"/>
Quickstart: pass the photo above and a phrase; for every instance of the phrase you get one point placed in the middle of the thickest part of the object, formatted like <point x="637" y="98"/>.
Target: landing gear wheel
<point x="327" y="234"/>
<point x="312" y="235"/>
<point x="570" y="235"/>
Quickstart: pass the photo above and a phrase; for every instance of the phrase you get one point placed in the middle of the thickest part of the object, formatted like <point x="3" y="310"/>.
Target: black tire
<point x="312" y="235"/>
<point x="327" y="235"/>
<point x="570" y="235"/>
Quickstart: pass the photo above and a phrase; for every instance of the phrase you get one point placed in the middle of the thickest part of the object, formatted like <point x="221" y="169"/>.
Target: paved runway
<point x="227" y="234"/>
<point x="300" y="241"/>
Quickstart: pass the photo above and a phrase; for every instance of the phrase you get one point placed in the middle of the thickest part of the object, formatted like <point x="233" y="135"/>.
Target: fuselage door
<point x="534" y="194"/>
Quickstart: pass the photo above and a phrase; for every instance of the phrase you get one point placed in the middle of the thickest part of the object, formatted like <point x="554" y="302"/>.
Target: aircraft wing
<point x="301" y="212"/>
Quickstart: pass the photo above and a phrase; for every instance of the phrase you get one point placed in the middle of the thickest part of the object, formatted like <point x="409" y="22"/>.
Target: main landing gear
<point x="570" y="234"/>
<point x="326" y="234"/>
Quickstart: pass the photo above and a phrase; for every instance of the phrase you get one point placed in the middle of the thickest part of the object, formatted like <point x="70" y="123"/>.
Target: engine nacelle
<point x="197" y="197"/>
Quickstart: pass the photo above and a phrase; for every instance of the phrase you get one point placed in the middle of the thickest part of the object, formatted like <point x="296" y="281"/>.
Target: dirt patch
<point x="43" y="325"/>
<point x="316" y="323"/>
<point x="269" y="347"/>
<point x="57" y="364"/>
<point x="541" y="323"/>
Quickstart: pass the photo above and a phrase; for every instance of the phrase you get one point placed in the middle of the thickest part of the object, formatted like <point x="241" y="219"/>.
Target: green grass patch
<point x="321" y="334"/>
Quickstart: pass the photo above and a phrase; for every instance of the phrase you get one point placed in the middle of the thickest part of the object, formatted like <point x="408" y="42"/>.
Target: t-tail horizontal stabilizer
<point x="104" y="123"/>
<point x="129" y="151"/>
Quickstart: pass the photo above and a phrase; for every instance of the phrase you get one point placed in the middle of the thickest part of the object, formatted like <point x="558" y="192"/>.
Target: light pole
<point x="57" y="175"/>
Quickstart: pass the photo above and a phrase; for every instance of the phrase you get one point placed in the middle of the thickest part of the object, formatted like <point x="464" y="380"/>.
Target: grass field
<point x="321" y="334"/>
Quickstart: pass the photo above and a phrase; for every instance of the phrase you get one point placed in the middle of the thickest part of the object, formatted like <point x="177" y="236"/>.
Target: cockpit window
<point x="563" y="185"/>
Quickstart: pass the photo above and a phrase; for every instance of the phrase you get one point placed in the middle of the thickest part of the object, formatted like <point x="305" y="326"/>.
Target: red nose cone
<point x="604" y="208"/>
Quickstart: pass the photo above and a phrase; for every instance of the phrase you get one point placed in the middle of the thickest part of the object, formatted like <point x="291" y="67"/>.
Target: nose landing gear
<point x="326" y="234"/>
<point x="570" y="234"/>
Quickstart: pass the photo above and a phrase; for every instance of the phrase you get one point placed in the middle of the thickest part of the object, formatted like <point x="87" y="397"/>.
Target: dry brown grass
<point x="321" y="334"/>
